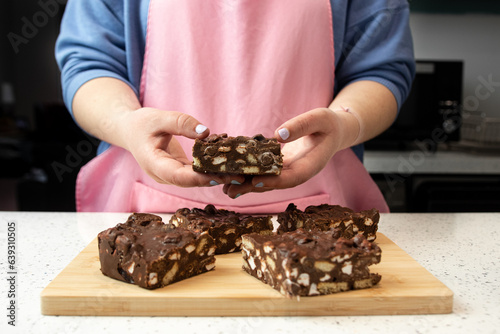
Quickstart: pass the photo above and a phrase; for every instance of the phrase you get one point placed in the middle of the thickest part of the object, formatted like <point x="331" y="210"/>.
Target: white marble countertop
<point x="461" y="250"/>
<point x="424" y="162"/>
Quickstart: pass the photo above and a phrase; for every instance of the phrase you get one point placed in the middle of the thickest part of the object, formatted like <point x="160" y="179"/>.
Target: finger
<point x="289" y="178"/>
<point x="168" y="169"/>
<point x="268" y="183"/>
<point x="185" y="177"/>
<point x="189" y="178"/>
<point x="180" y="124"/>
<point x="235" y="180"/>
<point x="313" y="121"/>
<point x="175" y="169"/>
<point x="224" y="179"/>
<point x="225" y="188"/>
<point x="235" y="191"/>
<point x="294" y="174"/>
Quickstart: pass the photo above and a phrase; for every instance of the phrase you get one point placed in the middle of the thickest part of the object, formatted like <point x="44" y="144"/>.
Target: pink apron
<point x="242" y="67"/>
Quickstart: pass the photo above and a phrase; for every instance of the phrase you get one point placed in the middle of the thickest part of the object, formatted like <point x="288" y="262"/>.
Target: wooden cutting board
<point x="81" y="289"/>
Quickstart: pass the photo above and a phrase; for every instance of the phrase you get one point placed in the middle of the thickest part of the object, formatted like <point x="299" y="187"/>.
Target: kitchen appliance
<point x="431" y="114"/>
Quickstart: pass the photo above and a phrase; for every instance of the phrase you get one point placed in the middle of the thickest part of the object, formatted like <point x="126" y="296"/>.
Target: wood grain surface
<point x="81" y="289"/>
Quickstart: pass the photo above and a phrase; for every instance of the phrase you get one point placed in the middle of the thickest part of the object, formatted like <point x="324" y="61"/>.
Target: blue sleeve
<point x="373" y="42"/>
<point x="101" y="38"/>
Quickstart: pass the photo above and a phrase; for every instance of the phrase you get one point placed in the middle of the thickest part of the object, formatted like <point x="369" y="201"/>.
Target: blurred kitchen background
<point x="442" y="155"/>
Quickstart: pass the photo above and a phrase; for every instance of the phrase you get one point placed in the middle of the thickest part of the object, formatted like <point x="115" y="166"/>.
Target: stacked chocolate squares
<point x="321" y="250"/>
<point x="150" y="253"/>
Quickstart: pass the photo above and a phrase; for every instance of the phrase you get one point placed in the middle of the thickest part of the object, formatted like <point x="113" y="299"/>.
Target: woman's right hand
<point x="109" y="109"/>
<point x="149" y="134"/>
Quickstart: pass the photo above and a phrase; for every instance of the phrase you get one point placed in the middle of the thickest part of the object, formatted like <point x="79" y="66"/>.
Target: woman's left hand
<point x="311" y="139"/>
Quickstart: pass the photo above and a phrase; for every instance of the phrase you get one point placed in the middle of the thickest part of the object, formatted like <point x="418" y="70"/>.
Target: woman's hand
<point x="148" y="134"/>
<point x="311" y="139"/>
<point x="108" y="109"/>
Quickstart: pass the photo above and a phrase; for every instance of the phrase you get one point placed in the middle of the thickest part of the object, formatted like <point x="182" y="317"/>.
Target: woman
<point x="147" y="77"/>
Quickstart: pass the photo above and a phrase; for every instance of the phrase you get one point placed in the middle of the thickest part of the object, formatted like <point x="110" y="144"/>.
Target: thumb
<point x="177" y="123"/>
<point x="313" y="121"/>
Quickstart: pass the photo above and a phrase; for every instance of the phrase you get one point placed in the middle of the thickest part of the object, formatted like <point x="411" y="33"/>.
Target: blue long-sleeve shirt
<point x="106" y="38"/>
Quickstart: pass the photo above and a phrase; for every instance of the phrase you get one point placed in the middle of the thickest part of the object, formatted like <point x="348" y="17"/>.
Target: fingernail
<point x="259" y="185"/>
<point x="200" y="128"/>
<point x="235" y="182"/>
<point x="214" y="183"/>
<point x="237" y="195"/>
<point x="284" y="133"/>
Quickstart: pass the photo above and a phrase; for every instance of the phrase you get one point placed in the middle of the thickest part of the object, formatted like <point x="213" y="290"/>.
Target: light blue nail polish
<point x="214" y="183"/>
<point x="238" y="195"/>
<point x="259" y="185"/>
<point x="284" y="133"/>
<point x="235" y="182"/>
